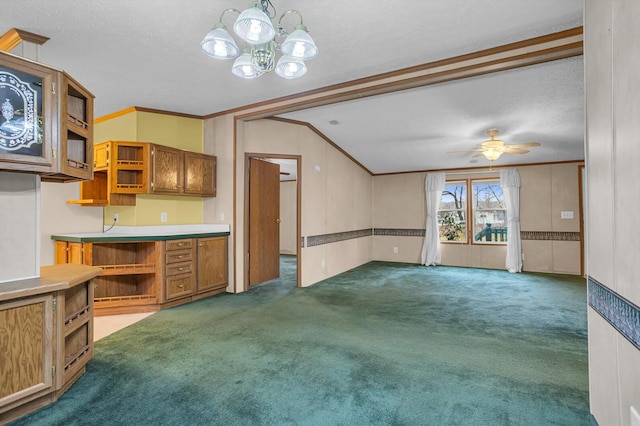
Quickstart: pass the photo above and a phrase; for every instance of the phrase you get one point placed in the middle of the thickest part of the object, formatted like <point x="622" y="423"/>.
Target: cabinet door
<point x="212" y="263"/>
<point x="199" y="174"/>
<point x="69" y="252"/>
<point x="101" y="156"/>
<point x="62" y="252"/>
<point x="26" y="354"/>
<point x="75" y="253"/>
<point x="166" y="170"/>
<point x="28" y="115"/>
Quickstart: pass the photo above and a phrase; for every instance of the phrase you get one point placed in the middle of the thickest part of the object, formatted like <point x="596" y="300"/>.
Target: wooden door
<point x="264" y="221"/>
<point x="166" y="170"/>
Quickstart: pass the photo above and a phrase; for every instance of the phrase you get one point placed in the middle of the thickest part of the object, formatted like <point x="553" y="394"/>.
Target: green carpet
<point x="383" y="344"/>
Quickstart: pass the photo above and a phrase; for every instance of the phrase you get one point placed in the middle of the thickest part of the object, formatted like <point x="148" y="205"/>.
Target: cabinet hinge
<point x="53" y="371"/>
<point x="53" y="88"/>
<point x="54" y="153"/>
<point x="54" y="305"/>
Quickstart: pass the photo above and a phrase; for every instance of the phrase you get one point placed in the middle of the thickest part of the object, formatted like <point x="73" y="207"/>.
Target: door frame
<point x="247" y="157"/>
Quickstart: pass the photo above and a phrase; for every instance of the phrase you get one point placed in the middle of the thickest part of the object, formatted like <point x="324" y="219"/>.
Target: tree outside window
<point x="452" y="214"/>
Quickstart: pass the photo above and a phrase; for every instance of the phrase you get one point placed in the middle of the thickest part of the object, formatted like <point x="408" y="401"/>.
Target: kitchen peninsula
<point x="148" y="268"/>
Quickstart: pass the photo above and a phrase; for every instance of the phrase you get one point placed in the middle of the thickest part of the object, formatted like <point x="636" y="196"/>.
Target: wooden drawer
<point x="179" y="269"/>
<point x="181" y="285"/>
<point x="178" y="256"/>
<point x="178" y="244"/>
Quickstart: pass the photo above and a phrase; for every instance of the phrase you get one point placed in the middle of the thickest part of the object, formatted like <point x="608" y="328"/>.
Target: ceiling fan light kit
<point x="493" y="148"/>
<point x="255" y="29"/>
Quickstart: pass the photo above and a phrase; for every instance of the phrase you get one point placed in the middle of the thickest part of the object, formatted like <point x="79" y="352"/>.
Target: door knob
<point x="278" y="221"/>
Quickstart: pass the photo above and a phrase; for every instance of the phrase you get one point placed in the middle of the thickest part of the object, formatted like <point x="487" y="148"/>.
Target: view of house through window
<point x="489" y="212"/>
<point x="485" y="205"/>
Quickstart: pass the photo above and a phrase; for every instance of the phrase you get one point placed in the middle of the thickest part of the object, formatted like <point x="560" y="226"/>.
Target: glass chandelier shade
<point x="299" y="44"/>
<point x="219" y="44"/>
<point x="255" y="28"/>
<point x="290" y="67"/>
<point x="244" y="66"/>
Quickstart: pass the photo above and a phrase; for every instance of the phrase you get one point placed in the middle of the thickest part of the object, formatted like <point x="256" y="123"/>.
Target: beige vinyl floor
<point x="105" y="325"/>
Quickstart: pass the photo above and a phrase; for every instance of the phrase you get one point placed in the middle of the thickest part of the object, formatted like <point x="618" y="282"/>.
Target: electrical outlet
<point x="566" y="215"/>
<point x="115" y="217"/>
<point x="395" y="250"/>
<point x="221" y="217"/>
<point x="163" y="217"/>
<point x="324" y="264"/>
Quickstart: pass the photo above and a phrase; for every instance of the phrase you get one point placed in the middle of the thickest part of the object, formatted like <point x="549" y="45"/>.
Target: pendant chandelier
<point x="255" y="29"/>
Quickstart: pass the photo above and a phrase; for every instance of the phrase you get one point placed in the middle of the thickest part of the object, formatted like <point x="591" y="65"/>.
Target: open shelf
<point x="135" y="268"/>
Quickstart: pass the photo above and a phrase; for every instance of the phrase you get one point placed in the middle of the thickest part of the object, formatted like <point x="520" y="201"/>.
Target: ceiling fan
<point x="493" y="148"/>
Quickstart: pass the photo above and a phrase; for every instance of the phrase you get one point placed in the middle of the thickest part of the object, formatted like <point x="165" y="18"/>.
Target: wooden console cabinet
<point x="47" y="124"/>
<point x="48" y="324"/>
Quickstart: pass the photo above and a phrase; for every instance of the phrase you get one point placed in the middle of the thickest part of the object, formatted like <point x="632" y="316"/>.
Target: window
<point x="489" y="212"/>
<point x="452" y="214"/>
<point x="485" y="206"/>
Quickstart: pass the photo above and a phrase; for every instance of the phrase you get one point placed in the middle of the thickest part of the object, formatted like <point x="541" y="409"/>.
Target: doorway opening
<point x="272" y="219"/>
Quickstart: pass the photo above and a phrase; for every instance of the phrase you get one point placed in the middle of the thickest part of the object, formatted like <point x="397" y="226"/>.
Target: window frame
<point x="473" y="211"/>
<point x="465" y="210"/>
<point x="470" y="212"/>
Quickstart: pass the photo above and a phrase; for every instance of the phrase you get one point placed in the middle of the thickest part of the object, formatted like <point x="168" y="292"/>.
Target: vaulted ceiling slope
<point x="146" y="53"/>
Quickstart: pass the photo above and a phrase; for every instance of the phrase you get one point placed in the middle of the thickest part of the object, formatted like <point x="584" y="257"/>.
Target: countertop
<point x="52" y="278"/>
<point x="147" y="233"/>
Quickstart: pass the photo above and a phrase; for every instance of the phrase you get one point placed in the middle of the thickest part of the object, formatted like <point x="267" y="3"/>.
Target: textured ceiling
<point x="146" y="53"/>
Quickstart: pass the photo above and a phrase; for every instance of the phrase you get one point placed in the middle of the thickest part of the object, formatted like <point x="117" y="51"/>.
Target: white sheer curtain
<point x="510" y="183"/>
<point x="431" y="251"/>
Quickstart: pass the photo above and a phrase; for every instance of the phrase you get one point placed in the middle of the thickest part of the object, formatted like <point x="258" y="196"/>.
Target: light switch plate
<point x="163" y="217"/>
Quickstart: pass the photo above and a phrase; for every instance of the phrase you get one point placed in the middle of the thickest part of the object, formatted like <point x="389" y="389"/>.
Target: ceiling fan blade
<point x="478" y="155"/>
<point x="510" y="150"/>
<point x="523" y="145"/>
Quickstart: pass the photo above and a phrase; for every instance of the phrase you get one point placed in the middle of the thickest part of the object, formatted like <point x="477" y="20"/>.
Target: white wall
<point x="337" y="197"/>
<point x="19" y="226"/>
<point x="58" y="217"/>
<point x="612" y="62"/>
<point x="288" y="228"/>
<point x="547" y="190"/>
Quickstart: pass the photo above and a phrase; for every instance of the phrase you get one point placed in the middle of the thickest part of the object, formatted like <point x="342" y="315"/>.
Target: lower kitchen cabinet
<point x="145" y="276"/>
<point x="178" y="268"/>
<point x="48" y="324"/>
<point x="212" y="264"/>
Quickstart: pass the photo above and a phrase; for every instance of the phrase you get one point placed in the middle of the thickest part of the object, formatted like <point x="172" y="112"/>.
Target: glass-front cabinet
<point x="46" y="121"/>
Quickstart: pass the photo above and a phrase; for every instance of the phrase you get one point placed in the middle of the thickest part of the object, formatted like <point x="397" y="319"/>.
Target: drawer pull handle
<point x="180" y="257"/>
<point x="180" y="269"/>
<point x="180" y="286"/>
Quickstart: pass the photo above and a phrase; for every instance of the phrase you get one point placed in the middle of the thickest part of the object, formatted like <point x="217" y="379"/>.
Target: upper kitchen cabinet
<point x="178" y="172"/>
<point x="46" y="126"/>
